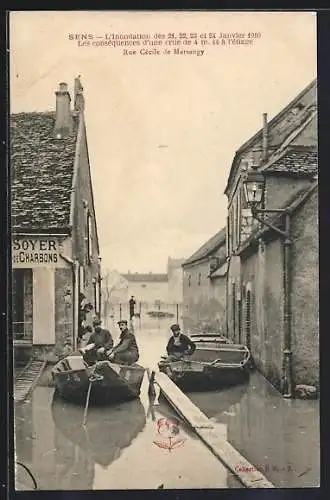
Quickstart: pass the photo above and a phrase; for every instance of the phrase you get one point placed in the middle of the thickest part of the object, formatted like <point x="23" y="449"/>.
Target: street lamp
<point x="254" y="189"/>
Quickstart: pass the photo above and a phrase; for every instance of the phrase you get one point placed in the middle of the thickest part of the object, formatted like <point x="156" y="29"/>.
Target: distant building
<point x="55" y="249"/>
<point x="147" y="288"/>
<point x="285" y="151"/>
<point x="175" y="280"/>
<point x="204" y="286"/>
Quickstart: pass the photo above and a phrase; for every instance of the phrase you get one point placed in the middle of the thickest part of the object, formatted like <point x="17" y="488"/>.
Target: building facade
<point x="204" y="287"/>
<point x="175" y="280"/>
<point x="55" y="250"/>
<point x="285" y="152"/>
<point x="149" y="289"/>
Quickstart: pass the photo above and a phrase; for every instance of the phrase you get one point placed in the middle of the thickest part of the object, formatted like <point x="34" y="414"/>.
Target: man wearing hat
<point x="101" y="340"/>
<point x="126" y="352"/>
<point x="179" y="344"/>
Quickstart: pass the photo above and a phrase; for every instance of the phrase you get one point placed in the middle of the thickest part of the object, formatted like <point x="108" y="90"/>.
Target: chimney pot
<point x="63" y="118"/>
<point x="63" y="87"/>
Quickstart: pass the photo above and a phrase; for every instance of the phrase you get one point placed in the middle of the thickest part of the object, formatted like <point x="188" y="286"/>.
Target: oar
<point x="87" y="402"/>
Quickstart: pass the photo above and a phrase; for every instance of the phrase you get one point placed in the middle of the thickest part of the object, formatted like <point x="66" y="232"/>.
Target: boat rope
<point x="30" y="474"/>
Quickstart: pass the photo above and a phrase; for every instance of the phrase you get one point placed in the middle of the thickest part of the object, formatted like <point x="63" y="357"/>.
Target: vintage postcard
<point x="165" y="296"/>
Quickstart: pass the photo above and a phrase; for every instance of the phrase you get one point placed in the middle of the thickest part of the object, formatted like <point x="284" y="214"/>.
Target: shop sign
<point x="30" y="252"/>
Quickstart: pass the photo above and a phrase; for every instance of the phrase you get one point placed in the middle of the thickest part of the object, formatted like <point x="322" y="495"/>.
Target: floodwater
<point x="127" y="447"/>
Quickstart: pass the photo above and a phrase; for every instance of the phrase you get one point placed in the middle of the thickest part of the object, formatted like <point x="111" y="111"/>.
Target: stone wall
<point x="204" y="300"/>
<point x="305" y="293"/>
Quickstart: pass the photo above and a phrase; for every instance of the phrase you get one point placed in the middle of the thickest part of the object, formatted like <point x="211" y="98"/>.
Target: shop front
<point x="42" y="281"/>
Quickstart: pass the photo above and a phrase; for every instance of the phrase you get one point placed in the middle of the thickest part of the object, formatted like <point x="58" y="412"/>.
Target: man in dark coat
<point x="179" y="345"/>
<point x="102" y="341"/>
<point x="132" y="307"/>
<point x="126" y="352"/>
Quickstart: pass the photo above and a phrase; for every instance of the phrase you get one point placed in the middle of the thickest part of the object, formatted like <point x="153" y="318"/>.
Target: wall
<point x="148" y="292"/>
<point x="175" y="280"/>
<point x="279" y="190"/>
<point x="305" y="293"/>
<point x="83" y="192"/>
<point x="234" y="277"/>
<point x="262" y="273"/>
<point x="204" y="300"/>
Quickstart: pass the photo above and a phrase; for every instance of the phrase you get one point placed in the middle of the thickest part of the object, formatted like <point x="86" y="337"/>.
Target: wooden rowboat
<point x="210" y="367"/>
<point x="110" y="382"/>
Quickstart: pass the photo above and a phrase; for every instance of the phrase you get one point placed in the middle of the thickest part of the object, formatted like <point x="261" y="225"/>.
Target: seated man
<point x="179" y="345"/>
<point x="126" y="352"/>
<point x="101" y="340"/>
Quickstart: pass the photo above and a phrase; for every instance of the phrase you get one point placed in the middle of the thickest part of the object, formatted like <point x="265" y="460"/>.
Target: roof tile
<point x="42" y="171"/>
<point x="295" y="160"/>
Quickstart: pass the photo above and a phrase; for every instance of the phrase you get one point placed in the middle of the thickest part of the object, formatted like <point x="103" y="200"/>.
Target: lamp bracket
<point x="284" y="234"/>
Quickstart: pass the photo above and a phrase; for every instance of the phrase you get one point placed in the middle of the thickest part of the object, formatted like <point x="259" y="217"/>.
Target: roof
<point x="42" y="172"/>
<point x="296" y="160"/>
<point x="210" y="247"/>
<point x="146" y="277"/>
<point x="258" y="136"/>
<point x="294" y="203"/>
<point x="221" y="270"/>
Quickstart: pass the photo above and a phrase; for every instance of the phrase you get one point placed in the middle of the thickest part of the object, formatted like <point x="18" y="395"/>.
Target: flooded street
<point x="126" y="447"/>
<point x="122" y="447"/>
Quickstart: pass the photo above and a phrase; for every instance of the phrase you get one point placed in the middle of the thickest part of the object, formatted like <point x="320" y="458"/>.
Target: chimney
<point x="264" y="137"/>
<point x="79" y="101"/>
<point x="63" y="119"/>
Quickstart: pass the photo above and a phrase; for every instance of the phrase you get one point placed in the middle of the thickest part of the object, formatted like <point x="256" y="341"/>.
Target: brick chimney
<point x="264" y="137"/>
<point x="63" y="118"/>
<point x="79" y="101"/>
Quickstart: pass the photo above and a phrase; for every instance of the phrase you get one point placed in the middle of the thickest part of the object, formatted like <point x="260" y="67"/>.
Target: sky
<point x="162" y="130"/>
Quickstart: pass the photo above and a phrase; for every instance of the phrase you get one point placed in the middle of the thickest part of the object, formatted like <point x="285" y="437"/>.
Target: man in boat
<point x="126" y="352"/>
<point x="179" y="345"/>
<point x="101" y="340"/>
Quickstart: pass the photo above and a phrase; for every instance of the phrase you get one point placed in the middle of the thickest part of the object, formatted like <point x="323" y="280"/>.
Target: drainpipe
<point x="287" y="352"/>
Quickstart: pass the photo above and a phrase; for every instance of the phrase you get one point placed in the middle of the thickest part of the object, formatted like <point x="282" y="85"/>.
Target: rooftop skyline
<point x="162" y="132"/>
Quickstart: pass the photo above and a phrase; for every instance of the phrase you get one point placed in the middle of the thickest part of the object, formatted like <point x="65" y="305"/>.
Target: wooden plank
<point x="27" y="380"/>
<point x="181" y="403"/>
<point x="247" y="473"/>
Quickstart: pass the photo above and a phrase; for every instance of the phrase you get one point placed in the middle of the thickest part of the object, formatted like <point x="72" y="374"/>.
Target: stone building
<point x="204" y="286"/>
<point x="147" y="288"/>
<point x="55" y="249"/>
<point x="285" y="152"/>
<point x="175" y="280"/>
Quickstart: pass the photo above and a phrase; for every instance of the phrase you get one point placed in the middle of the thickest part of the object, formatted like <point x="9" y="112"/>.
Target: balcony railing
<point x="22" y="331"/>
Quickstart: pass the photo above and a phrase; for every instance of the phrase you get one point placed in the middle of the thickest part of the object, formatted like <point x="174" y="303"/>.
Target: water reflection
<point x="107" y="432"/>
<point x="279" y="436"/>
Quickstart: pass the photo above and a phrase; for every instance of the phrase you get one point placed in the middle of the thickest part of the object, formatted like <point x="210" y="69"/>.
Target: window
<point x="227" y="238"/>
<point x="81" y="279"/>
<point x="22" y="299"/>
<point x="189" y="280"/>
<point x="233" y="311"/>
<point x="89" y="238"/>
<point x="199" y="279"/>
